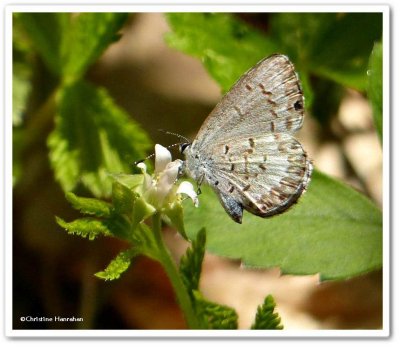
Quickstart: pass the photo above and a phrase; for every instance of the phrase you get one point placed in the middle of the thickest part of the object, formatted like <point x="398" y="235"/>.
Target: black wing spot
<point x="298" y="105"/>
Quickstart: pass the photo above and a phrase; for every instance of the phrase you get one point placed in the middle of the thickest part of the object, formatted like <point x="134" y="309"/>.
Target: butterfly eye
<point x="183" y="146"/>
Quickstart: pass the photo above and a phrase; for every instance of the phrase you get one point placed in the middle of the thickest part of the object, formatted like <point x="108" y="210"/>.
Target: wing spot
<point x="237" y="109"/>
<point x="248" y="87"/>
<point x="232" y="167"/>
<point x="262" y="167"/>
<point x="289" y="182"/>
<point x="251" y="142"/>
<point x="246" y="163"/>
<point x="278" y="194"/>
<point x="273" y="113"/>
<point x="298" y="105"/>
<point x="272" y="126"/>
<point x="289" y="123"/>
<point x="246" y="187"/>
<point x="231" y="189"/>
<point x="226" y="149"/>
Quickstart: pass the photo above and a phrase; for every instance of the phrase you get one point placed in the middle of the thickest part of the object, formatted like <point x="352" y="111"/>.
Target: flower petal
<point x="163" y="158"/>
<point x="147" y="177"/>
<point x="187" y="188"/>
<point x="167" y="179"/>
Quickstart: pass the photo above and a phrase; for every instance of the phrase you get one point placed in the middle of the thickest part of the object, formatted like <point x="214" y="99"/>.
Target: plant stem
<point x="170" y="268"/>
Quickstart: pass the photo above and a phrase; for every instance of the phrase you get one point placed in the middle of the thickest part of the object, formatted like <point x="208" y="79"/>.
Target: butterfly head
<point x="184" y="146"/>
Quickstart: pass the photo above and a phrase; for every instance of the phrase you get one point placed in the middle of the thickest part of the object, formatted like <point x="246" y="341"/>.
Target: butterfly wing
<point x="246" y="150"/>
<point x="268" y="98"/>
<point x="264" y="174"/>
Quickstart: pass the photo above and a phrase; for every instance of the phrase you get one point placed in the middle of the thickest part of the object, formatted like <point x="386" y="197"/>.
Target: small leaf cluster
<point x="213" y="315"/>
<point x="122" y="218"/>
<point x="125" y="218"/>
<point x="92" y="135"/>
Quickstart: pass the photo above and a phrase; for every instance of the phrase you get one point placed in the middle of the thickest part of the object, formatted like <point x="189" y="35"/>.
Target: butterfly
<point x="245" y="149"/>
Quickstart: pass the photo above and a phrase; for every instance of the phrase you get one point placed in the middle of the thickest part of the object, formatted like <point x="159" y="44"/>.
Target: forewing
<point x="268" y="98"/>
<point x="264" y="174"/>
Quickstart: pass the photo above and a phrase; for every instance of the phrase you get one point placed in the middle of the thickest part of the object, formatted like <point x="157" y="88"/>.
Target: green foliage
<point x="226" y="46"/>
<point x="93" y="137"/>
<point x="190" y="264"/>
<point x="329" y="45"/>
<point x="21" y="89"/>
<point x="118" y="265"/>
<point x="67" y="43"/>
<point x="332" y="230"/>
<point x="375" y="91"/>
<point x="118" y="220"/>
<point x="123" y="198"/>
<point x="141" y="211"/>
<point x="332" y="45"/>
<point x="91" y="141"/>
<point x="266" y="318"/>
<point x="89" y="206"/>
<point x="85" y="227"/>
<point x="173" y="215"/>
<point x="46" y="31"/>
<point x="212" y="315"/>
<point x="215" y="316"/>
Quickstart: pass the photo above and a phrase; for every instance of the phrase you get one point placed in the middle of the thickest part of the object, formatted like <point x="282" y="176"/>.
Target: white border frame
<point x="196" y="6"/>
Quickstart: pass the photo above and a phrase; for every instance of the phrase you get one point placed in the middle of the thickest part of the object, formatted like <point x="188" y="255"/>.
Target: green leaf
<point x="88" y="35"/>
<point x="46" y="31"/>
<point x="70" y="42"/>
<point x="18" y="137"/>
<point x="92" y="138"/>
<point x="118" y="265"/>
<point x="265" y="316"/>
<point x="215" y="316"/>
<point x="226" y="46"/>
<point x="173" y="215"/>
<point x="332" y="45"/>
<point x="145" y="242"/>
<point x="191" y="262"/>
<point x="325" y="109"/>
<point x="85" y="227"/>
<point x="141" y="211"/>
<point x="132" y="182"/>
<point x="21" y="88"/>
<point x="119" y="225"/>
<point x="375" y="91"/>
<point x="333" y="230"/>
<point x="123" y="198"/>
<point x="90" y="206"/>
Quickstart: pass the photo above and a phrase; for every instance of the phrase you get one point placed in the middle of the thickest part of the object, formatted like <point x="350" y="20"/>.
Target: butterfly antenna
<point x="168" y="147"/>
<point x="175" y="134"/>
<point x="144" y="159"/>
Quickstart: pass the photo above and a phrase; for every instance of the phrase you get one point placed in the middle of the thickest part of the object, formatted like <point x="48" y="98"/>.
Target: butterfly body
<point x="245" y="150"/>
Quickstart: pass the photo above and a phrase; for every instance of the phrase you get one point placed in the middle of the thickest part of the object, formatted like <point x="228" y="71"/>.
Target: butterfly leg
<point x="199" y="183"/>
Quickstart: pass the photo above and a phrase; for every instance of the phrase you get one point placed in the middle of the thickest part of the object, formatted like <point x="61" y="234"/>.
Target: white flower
<point x="160" y="189"/>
